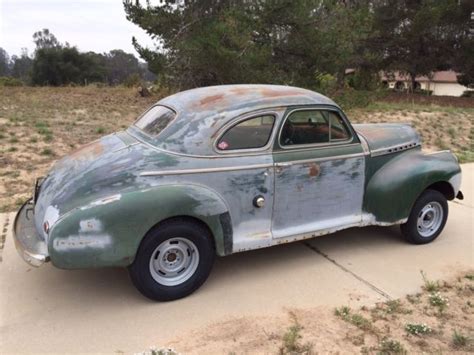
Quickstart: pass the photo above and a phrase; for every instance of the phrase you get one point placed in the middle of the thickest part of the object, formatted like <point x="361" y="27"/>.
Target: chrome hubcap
<point x="430" y="219"/>
<point x="174" y="261"/>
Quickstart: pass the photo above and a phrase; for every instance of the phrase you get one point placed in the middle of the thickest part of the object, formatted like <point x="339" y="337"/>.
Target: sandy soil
<point x="381" y="328"/>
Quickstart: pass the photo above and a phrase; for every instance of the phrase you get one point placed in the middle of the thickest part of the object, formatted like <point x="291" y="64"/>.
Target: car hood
<point x="385" y="136"/>
<point x="98" y="170"/>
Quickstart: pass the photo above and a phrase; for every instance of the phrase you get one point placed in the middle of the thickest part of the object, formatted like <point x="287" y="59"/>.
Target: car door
<point x="245" y="145"/>
<point x="319" y="173"/>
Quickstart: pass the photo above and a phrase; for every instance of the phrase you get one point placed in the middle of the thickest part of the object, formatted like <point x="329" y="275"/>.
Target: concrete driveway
<point x="52" y="310"/>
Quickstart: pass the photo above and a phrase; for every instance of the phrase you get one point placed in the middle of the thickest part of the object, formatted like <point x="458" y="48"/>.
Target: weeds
<point x="437" y="300"/>
<point x="430" y="286"/>
<point x="291" y="340"/>
<point x="417" y="329"/>
<point x="395" y="306"/>
<point x="452" y="132"/>
<point x="354" y="318"/>
<point x="390" y="346"/>
<point x="414" y="299"/>
<point x="469" y="277"/>
<point x="47" y="151"/>
<point x="459" y="340"/>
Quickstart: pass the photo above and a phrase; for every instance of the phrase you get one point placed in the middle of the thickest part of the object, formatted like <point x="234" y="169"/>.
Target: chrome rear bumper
<point x="28" y="242"/>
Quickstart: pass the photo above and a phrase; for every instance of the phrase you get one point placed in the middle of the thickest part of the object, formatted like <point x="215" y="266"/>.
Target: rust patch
<point x="88" y="152"/>
<point x="270" y="92"/>
<point x="314" y="170"/>
<point x="239" y="90"/>
<point x="211" y="100"/>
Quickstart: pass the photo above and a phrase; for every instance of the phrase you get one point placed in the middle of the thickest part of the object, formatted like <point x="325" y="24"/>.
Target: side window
<point x="249" y="134"/>
<point x="338" y="128"/>
<point x="313" y="127"/>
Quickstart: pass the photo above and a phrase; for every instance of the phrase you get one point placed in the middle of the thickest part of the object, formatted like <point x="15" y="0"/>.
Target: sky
<point x="91" y="25"/>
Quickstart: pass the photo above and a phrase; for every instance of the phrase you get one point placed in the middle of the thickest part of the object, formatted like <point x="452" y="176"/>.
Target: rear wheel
<point x="173" y="260"/>
<point x="427" y="218"/>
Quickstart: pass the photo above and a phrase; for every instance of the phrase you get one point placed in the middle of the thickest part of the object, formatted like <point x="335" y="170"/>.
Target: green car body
<point x="96" y="205"/>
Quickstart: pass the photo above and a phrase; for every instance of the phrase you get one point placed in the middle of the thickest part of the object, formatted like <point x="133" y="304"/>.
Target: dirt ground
<point x="40" y="125"/>
<point x="440" y="319"/>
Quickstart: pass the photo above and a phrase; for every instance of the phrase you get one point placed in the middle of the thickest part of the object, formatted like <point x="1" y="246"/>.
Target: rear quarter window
<point x="155" y="120"/>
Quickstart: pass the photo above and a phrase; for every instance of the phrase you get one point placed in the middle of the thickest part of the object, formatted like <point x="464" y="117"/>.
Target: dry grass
<point x="39" y="125"/>
<point x="440" y="127"/>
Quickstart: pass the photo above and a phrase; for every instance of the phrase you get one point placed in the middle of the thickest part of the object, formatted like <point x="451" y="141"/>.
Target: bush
<point x="350" y="98"/>
<point x="133" y="80"/>
<point x="9" y="81"/>
<point x="424" y="92"/>
<point x="468" y="93"/>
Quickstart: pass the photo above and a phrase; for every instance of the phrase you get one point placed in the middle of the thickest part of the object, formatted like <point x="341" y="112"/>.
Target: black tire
<point x="410" y="229"/>
<point x="140" y="271"/>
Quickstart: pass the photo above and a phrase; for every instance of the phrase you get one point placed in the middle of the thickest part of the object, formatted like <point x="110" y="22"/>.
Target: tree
<point x="215" y="42"/>
<point x="121" y="65"/>
<point x="418" y="36"/>
<point x="4" y="62"/>
<point x="21" y="66"/>
<point x="44" y="39"/>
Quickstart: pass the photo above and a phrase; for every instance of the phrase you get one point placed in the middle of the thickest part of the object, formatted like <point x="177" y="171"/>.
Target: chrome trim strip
<point x="206" y="170"/>
<point x="394" y="149"/>
<point x="179" y="154"/>
<point x="363" y="142"/>
<point x="302" y="149"/>
<point x="314" y="160"/>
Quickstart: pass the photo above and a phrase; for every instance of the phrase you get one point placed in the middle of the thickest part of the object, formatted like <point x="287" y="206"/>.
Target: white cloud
<point x="91" y="25"/>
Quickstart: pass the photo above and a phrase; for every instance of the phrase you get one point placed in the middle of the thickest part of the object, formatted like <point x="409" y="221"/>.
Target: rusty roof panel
<point x="203" y="111"/>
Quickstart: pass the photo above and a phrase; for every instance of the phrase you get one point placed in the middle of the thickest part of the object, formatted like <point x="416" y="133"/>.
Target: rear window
<point x="155" y="120"/>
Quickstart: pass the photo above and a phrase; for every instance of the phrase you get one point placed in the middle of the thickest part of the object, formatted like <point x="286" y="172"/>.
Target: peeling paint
<point x="103" y="201"/>
<point x="90" y="225"/>
<point x="106" y="196"/>
<point x="80" y="242"/>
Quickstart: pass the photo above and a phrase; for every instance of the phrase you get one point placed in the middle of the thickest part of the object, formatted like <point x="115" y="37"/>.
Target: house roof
<point x="444" y="76"/>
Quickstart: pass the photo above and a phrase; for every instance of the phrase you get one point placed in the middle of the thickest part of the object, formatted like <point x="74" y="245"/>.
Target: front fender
<point x="394" y="188"/>
<point x="108" y="232"/>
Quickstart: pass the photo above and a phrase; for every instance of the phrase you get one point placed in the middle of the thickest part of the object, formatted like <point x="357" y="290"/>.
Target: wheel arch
<point x="110" y="234"/>
<point x="444" y="187"/>
<point x="392" y="191"/>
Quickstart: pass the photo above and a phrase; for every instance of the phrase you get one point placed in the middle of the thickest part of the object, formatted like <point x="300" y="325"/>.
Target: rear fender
<point x="108" y="232"/>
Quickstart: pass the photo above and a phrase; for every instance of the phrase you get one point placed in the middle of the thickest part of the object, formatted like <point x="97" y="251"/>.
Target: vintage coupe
<point x="219" y="170"/>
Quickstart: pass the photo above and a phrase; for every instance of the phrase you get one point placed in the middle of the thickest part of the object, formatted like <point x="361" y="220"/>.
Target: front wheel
<point x="427" y="218"/>
<point x="173" y="260"/>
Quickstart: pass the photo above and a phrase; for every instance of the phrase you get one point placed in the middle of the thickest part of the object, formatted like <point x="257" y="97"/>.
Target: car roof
<point x="203" y="111"/>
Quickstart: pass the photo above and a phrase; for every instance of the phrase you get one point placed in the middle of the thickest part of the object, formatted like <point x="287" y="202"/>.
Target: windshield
<point x="155" y="120"/>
